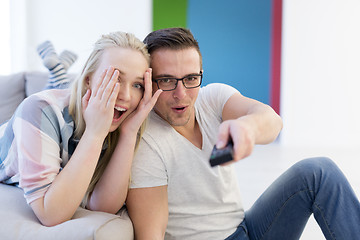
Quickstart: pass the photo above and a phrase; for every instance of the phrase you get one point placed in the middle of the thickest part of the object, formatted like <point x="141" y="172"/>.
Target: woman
<point x="64" y="147"/>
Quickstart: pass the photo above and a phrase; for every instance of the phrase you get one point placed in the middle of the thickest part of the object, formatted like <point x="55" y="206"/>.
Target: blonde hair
<point x="79" y="87"/>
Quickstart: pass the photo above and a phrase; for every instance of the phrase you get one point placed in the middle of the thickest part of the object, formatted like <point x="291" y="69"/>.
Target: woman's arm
<point x="111" y="190"/>
<point x="67" y="190"/>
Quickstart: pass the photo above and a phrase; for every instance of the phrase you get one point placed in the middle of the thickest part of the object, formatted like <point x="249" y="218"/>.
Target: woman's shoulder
<point x="47" y="103"/>
<point x="52" y="97"/>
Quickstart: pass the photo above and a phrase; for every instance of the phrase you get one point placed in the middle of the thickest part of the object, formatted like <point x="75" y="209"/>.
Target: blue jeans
<point x="313" y="185"/>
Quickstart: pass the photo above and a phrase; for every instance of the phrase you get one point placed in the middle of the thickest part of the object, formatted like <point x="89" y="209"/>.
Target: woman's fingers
<point x="85" y="99"/>
<point x="155" y="97"/>
<point x="108" y="90"/>
<point x="104" y="82"/>
<point x="98" y="83"/>
<point x="148" y="98"/>
<point x="104" y="89"/>
<point x="113" y="96"/>
<point x="148" y="85"/>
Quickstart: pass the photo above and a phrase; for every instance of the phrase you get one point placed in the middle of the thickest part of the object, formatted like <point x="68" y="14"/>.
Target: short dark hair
<point x="172" y="38"/>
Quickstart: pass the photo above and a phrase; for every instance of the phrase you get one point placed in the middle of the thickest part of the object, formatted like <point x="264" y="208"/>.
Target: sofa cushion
<point x="19" y="222"/>
<point x="12" y="92"/>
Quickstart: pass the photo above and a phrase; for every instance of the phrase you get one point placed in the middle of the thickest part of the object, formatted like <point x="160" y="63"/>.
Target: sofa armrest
<point x="19" y="222"/>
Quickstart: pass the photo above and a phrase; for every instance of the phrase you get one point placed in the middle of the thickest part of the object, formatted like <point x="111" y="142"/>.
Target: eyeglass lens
<point x="171" y="83"/>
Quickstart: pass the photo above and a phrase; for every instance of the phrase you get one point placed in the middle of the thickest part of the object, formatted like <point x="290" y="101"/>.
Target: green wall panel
<point x="169" y="13"/>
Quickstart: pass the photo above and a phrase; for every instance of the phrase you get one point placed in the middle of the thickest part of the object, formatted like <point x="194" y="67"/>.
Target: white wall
<point x="320" y="94"/>
<point x="73" y="25"/>
<point x="5" y="37"/>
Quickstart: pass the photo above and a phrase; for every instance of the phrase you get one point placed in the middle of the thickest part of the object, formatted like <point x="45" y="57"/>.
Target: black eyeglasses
<point x="170" y="83"/>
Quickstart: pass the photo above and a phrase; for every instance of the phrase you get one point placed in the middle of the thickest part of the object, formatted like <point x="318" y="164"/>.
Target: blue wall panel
<point x="234" y="38"/>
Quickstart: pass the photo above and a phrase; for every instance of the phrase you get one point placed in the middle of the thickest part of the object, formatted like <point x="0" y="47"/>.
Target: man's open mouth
<point x="179" y="109"/>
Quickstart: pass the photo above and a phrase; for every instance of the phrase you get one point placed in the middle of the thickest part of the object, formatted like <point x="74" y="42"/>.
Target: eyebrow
<point x="172" y="76"/>
<point x="122" y="73"/>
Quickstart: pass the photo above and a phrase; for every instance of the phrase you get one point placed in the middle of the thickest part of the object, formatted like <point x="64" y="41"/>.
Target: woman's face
<point x="131" y="65"/>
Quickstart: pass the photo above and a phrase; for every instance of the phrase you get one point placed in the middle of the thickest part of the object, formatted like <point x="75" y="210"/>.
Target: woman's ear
<point x="87" y="82"/>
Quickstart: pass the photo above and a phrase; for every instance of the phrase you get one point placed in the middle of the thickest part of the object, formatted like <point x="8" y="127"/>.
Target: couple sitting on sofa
<point x="69" y="148"/>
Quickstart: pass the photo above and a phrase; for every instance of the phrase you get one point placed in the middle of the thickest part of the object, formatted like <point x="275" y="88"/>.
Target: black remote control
<point x="223" y="155"/>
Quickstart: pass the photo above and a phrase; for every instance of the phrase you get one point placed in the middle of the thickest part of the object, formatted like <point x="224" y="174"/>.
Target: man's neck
<point x="191" y="131"/>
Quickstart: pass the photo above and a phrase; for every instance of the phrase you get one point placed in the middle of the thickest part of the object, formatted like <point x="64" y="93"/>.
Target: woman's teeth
<point x="120" y="109"/>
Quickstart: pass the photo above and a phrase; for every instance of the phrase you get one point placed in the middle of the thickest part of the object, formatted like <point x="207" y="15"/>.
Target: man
<point x="175" y="194"/>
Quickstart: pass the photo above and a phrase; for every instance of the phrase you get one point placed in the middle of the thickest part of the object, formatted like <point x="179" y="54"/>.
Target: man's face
<point x="176" y="106"/>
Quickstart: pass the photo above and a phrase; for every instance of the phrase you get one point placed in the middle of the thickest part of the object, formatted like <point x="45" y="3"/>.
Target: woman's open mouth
<point x="118" y="112"/>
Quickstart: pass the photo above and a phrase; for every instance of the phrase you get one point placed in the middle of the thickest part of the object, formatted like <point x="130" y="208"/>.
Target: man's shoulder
<point x="156" y="126"/>
<point x="215" y="91"/>
<point x="217" y="87"/>
<point x="213" y="96"/>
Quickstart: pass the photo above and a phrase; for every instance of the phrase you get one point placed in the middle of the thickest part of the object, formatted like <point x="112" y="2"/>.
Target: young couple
<point x="83" y="140"/>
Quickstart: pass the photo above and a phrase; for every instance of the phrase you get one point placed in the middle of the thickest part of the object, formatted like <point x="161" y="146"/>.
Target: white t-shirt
<point x="204" y="202"/>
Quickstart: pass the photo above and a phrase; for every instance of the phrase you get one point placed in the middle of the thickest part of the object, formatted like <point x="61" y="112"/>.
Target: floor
<point x="269" y="161"/>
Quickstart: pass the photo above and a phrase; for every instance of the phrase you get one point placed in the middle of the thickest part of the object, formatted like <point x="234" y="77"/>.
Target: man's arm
<point x="248" y="122"/>
<point x="148" y="210"/>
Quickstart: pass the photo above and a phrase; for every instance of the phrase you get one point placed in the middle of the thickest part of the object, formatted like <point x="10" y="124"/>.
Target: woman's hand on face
<point x="98" y="103"/>
<point x="135" y="119"/>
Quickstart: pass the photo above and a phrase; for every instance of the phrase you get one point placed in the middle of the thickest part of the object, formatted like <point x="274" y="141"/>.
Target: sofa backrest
<point x="15" y="88"/>
<point x="12" y="92"/>
<point x="35" y="82"/>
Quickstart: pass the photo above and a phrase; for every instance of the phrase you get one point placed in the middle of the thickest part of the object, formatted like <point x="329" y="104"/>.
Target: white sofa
<point x="17" y="218"/>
